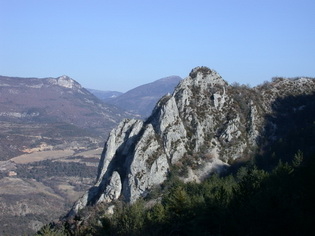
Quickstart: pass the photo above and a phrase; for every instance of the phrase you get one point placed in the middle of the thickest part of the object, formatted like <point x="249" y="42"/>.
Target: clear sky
<point x="118" y="45"/>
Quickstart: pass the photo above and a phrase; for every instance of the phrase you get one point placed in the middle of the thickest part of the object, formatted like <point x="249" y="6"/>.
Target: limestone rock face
<point x="146" y="167"/>
<point x="65" y="81"/>
<point x="200" y="128"/>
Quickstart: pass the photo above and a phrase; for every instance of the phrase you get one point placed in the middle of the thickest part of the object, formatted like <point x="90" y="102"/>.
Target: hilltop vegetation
<point x="250" y="201"/>
<point x="267" y="192"/>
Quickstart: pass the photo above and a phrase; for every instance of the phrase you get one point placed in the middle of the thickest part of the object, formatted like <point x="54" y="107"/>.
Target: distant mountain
<point x="43" y="103"/>
<point x="55" y="100"/>
<point x="52" y="134"/>
<point x="105" y="95"/>
<point x="141" y="100"/>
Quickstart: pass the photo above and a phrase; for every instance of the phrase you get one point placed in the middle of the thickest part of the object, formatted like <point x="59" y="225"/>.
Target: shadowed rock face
<point x="205" y="122"/>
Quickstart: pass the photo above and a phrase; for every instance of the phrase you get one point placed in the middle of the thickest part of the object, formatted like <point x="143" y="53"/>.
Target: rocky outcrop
<point x="65" y="82"/>
<point x="203" y="126"/>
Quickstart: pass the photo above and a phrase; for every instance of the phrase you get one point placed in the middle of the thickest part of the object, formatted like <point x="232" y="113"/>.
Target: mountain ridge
<point x="52" y="131"/>
<point x="105" y="95"/>
<point x="205" y="125"/>
<point x="141" y="99"/>
<point x="33" y="97"/>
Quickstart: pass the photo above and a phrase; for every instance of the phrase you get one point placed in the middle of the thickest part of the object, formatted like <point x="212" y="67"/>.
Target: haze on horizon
<point x="118" y="45"/>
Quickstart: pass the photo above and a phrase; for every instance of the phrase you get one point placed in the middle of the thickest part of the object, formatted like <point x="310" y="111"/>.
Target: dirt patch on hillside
<point x="40" y="156"/>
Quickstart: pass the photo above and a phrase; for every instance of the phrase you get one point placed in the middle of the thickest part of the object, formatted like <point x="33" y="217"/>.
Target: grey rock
<point x="205" y="120"/>
<point x="113" y="189"/>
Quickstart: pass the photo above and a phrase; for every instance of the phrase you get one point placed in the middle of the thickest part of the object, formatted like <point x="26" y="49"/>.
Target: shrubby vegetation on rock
<point x="204" y="117"/>
<point x="251" y="201"/>
<point x="260" y="141"/>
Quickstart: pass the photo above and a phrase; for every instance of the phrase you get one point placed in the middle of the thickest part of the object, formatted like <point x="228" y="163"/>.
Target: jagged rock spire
<point x="205" y="122"/>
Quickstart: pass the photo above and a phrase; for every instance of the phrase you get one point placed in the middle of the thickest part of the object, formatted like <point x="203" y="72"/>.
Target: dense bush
<point x="251" y="201"/>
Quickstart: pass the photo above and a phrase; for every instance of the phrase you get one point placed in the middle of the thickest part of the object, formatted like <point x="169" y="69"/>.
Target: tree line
<point x="251" y="201"/>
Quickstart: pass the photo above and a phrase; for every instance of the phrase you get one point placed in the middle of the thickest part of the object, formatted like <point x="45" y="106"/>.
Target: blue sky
<point x="118" y="45"/>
